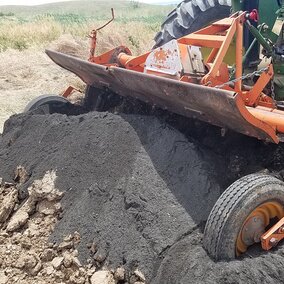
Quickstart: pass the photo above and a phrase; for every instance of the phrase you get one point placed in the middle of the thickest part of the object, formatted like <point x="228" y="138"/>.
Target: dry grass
<point x="26" y="72"/>
<point x="134" y="26"/>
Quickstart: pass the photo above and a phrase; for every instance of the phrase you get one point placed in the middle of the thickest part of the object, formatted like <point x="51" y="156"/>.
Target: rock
<point x="76" y="237"/>
<point x="3" y="278"/>
<point x="57" y="262"/>
<point x="65" y="245"/>
<point x="47" y="255"/>
<point x="91" y="271"/>
<point x="26" y="244"/>
<point x="93" y="247"/>
<point x="68" y="238"/>
<point x="68" y="260"/>
<point x="21" y="175"/>
<point x="102" y="277"/>
<point x="76" y="262"/>
<point x="36" y="269"/>
<point x="20" y="263"/>
<point x="76" y="280"/>
<point x="8" y="204"/>
<point x="139" y="275"/>
<point x="59" y="275"/>
<point x="17" y="221"/>
<point x="45" y="188"/>
<point x="100" y="255"/>
<point x="30" y="262"/>
<point x="49" y="270"/>
<point x="2" y="240"/>
<point x="119" y="274"/>
<point x="48" y="207"/>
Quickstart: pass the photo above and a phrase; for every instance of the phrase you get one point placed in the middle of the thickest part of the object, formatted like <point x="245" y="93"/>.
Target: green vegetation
<point x="135" y="24"/>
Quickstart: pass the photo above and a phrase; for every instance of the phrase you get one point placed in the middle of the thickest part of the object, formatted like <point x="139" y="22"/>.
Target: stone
<point x="65" y="245"/>
<point x="68" y="260"/>
<point x="100" y="255"/>
<point x="17" y="221"/>
<point x="21" y="175"/>
<point x="46" y="207"/>
<point x="36" y="269"/>
<point x="20" y="263"/>
<point x="57" y="262"/>
<point x="76" y="262"/>
<point x="139" y="275"/>
<point x="49" y="270"/>
<point x="26" y="244"/>
<point x="3" y="278"/>
<point x="47" y="255"/>
<point x="30" y="262"/>
<point x="91" y="271"/>
<point x="102" y="277"/>
<point x="45" y="188"/>
<point x="119" y="274"/>
<point x="68" y="238"/>
<point x="76" y="237"/>
<point x="8" y="204"/>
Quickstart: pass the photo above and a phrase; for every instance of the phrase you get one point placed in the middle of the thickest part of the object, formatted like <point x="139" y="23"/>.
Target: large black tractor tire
<point x="241" y="202"/>
<point x="190" y="16"/>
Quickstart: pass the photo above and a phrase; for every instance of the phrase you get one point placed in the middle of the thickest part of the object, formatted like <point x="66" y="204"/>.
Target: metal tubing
<point x="239" y="55"/>
<point x="274" y="118"/>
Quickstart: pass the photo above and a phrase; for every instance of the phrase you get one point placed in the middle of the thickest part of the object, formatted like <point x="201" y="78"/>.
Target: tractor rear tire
<point x="190" y="16"/>
<point x="230" y="213"/>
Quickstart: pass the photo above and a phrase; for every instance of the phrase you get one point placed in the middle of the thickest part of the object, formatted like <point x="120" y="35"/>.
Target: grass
<point x="135" y="24"/>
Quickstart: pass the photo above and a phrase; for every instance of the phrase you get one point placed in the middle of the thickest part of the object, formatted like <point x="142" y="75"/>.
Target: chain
<point x="249" y="75"/>
<point x="272" y="90"/>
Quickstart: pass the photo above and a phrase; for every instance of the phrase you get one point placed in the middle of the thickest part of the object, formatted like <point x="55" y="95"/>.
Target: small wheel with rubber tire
<point x="242" y="214"/>
<point x="48" y="104"/>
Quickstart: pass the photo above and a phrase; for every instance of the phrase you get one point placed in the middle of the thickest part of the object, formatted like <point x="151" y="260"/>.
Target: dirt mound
<point x="139" y="192"/>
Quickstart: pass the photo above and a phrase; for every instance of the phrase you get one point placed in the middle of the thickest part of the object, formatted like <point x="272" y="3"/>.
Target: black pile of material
<point x="142" y="189"/>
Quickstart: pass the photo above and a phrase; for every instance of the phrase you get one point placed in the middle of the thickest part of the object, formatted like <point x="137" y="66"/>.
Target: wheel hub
<point x="255" y="224"/>
<point x="252" y="230"/>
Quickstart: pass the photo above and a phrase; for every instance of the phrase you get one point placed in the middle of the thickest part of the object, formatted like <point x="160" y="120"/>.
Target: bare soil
<point x="27" y="74"/>
<point x="137" y="189"/>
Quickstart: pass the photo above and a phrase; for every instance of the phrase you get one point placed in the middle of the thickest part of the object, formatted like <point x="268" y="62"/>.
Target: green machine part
<point x="266" y="8"/>
<point x="269" y="14"/>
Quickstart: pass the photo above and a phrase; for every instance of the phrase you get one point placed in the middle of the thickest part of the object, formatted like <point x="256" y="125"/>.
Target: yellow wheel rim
<point x="255" y="224"/>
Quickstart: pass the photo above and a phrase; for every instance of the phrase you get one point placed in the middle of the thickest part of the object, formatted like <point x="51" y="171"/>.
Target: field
<point x="135" y="23"/>
<point x="26" y="72"/>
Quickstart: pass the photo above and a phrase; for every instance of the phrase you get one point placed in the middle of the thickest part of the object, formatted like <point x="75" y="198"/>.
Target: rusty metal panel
<point x="217" y="107"/>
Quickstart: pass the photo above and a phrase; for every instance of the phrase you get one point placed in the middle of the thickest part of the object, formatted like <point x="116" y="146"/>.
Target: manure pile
<point x="139" y="191"/>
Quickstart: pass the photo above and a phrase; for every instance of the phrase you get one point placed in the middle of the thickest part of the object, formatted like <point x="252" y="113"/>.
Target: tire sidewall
<point x="256" y="196"/>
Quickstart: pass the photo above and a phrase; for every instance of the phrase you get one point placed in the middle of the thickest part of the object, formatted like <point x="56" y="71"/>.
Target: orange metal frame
<point x="273" y="236"/>
<point x="217" y="36"/>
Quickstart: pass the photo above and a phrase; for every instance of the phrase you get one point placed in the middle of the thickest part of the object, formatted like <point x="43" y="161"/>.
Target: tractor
<point x="214" y="61"/>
